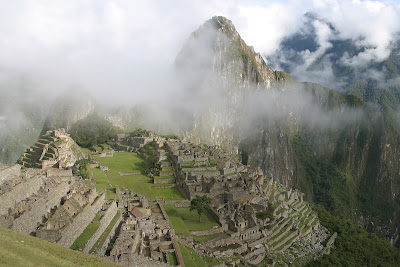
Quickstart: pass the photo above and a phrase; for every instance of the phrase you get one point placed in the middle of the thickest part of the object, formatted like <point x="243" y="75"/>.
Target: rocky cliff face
<point x="218" y="70"/>
<point x="68" y="109"/>
<point x="341" y="152"/>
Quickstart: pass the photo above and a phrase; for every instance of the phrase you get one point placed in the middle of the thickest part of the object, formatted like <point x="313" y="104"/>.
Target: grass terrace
<point x="191" y="258"/>
<point x="184" y="221"/>
<point x="99" y="243"/>
<point x="139" y="183"/>
<point x="81" y="241"/>
<point x="172" y="259"/>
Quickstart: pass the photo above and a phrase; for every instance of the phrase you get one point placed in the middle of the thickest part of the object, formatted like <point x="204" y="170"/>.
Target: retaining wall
<point x="208" y="232"/>
<point x="102" y="251"/>
<point x="178" y="203"/>
<point x="9" y="173"/>
<point x="71" y="232"/>
<point x="104" y="222"/>
<point x="20" y="192"/>
<point x="187" y="169"/>
<point x="30" y="220"/>
<point x="164" y="213"/>
<point x="59" y="173"/>
<point x="164" y="181"/>
<point x="205" y="173"/>
<point x="178" y="252"/>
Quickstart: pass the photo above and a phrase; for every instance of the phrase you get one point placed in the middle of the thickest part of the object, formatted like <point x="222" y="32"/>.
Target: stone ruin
<point x="239" y="195"/>
<point x="54" y="149"/>
<point x="53" y="205"/>
<point x="145" y="231"/>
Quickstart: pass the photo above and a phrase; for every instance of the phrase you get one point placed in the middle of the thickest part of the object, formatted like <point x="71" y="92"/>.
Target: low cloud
<point x="123" y="52"/>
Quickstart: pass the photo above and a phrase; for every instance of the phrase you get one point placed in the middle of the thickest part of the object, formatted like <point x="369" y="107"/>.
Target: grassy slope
<point x="131" y="162"/>
<point x="22" y="250"/>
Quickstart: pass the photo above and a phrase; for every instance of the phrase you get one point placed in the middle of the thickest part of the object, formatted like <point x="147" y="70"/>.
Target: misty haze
<point x="200" y="133"/>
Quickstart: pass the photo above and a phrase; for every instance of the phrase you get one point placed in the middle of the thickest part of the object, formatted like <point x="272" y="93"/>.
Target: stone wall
<point x="104" y="222"/>
<point x="185" y="169"/>
<point x="55" y="172"/>
<point x="71" y="232"/>
<point x="221" y="242"/>
<point x="30" y="220"/>
<point x="166" y="173"/>
<point x="208" y="232"/>
<point x="102" y="251"/>
<point x="178" y="203"/>
<point x="205" y="173"/>
<point x="9" y="173"/>
<point x="20" y="192"/>
<point x="178" y="252"/>
<point x="164" y="213"/>
<point x="164" y="181"/>
<point x="125" y="148"/>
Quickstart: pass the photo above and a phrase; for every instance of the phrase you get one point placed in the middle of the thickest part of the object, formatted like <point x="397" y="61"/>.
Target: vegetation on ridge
<point x="354" y="246"/>
<point x="93" y="130"/>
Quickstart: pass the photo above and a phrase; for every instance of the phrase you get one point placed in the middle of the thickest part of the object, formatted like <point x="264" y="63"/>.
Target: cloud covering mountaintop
<point x="119" y="46"/>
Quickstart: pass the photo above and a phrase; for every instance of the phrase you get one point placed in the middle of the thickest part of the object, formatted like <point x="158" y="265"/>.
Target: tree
<point x="200" y="204"/>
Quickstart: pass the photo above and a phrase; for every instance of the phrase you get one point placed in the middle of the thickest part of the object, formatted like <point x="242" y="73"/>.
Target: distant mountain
<point x="23" y="109"/>
<point x="317" y="53"/>
<point x="67" y="109"/>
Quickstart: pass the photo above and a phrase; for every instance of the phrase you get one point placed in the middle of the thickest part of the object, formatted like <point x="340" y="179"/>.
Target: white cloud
<point x="126" y="47"/>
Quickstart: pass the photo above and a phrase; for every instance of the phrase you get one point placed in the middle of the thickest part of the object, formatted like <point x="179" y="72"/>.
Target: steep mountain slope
<point x="340" y="151"/>
<point x="319" y="54"/>
<point x="68" y="109"/>
<point x="217" y="71"/>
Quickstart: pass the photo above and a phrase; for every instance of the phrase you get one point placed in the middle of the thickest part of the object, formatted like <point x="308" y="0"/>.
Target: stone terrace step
<point x="287" y="244"/>
<point x="280" y="225"/>
<point x="285" y="238"/>
<point x="281" y="232"/>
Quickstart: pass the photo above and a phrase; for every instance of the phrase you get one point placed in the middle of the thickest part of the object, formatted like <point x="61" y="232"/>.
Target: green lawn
<point x="184" y="221"/>
<point x="101" y="179"/>
<point x="81" y="241"/>
<point x="141" y="184"/>
<point x="24" y="250"/>
<point x="191" y="258"/>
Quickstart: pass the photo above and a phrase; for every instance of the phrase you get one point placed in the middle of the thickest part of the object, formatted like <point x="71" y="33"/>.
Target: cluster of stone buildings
<point x="238" y="194"/>
<point x="52" y="204"/>
<point x="145" y="231"/>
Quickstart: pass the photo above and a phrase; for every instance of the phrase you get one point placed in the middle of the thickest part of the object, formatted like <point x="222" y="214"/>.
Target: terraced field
<point x="129" y="162"/>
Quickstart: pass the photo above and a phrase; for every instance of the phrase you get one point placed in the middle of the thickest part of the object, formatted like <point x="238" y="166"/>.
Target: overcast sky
<point x="125" y="48"/>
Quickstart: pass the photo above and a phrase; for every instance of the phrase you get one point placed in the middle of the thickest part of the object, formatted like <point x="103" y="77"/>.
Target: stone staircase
<point x="33" y="155"/>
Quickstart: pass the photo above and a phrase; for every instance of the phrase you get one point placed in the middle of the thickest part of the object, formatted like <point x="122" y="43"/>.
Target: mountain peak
<point x="218" y="24"/>
<point x="216" y="45"/>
